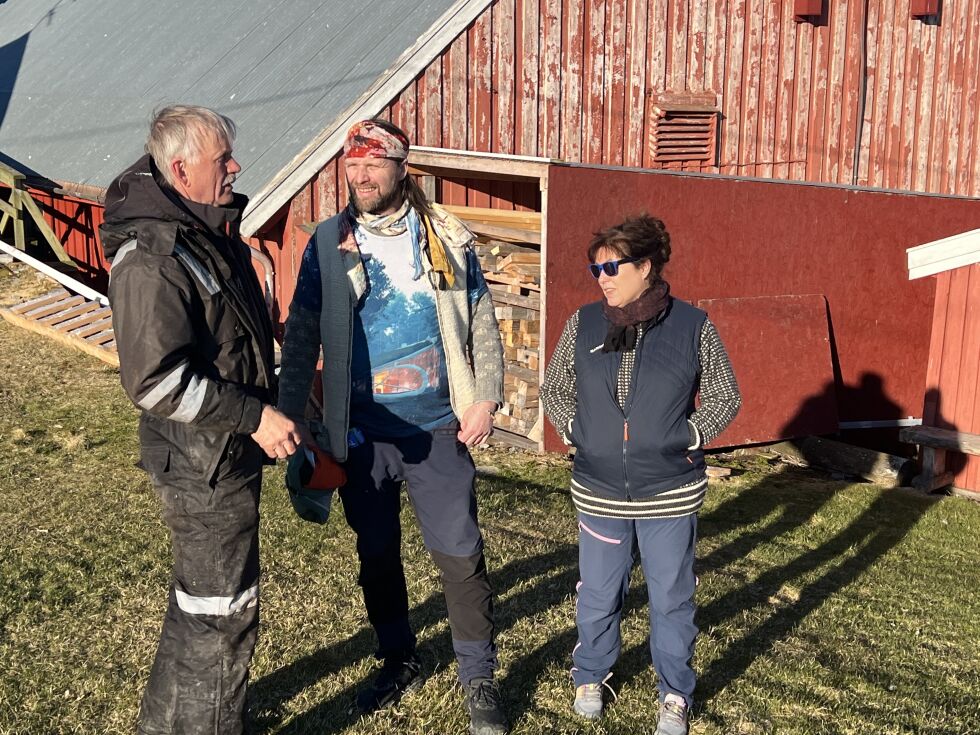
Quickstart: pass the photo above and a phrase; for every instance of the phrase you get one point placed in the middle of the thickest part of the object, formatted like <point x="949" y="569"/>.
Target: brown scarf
<point x="624" y="321"/>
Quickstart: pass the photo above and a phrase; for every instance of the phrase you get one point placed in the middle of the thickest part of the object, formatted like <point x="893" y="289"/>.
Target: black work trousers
<point x="197" y="683"/>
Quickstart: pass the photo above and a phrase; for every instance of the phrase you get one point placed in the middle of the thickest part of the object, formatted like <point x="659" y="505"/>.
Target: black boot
<point x="486" y="713"/>
<point x="399" y="674"/>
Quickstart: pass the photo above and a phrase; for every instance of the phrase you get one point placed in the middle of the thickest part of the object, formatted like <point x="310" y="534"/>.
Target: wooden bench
<point x="934" y="444"/>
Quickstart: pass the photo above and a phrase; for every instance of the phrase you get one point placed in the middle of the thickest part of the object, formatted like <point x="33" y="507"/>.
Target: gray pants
<point x="197" y="683"/>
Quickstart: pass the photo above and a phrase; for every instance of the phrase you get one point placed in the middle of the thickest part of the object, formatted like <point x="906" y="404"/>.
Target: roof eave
<point x="311" y="160"/>
<point x="952" y="252"/>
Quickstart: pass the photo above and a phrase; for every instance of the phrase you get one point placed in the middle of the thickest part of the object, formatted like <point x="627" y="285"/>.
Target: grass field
<point x="824" y="606"/>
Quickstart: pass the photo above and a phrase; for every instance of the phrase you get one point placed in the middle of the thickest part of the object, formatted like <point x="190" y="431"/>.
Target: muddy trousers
<point x="666" y="548"/>
<point x="197" y="683"/>
<point x="439" y="473"/>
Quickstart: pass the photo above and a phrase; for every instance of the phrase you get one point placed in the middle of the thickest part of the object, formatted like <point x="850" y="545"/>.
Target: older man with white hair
<point x="195" y="349"/>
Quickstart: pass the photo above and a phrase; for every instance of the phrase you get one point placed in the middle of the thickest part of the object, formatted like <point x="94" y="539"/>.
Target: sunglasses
<point x="610" y="267"/>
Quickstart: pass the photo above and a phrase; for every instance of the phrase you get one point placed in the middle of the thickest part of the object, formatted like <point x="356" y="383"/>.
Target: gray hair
<point x="181" y="131"/>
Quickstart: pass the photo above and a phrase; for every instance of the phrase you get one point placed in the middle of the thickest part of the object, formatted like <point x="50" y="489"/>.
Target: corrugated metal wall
<point x="577" y="80"/>
<point x="953" y="376"/>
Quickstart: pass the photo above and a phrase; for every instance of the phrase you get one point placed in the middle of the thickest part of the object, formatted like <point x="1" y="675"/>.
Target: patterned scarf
<point x="624" y="321"/>
<point x="430" y="236"/>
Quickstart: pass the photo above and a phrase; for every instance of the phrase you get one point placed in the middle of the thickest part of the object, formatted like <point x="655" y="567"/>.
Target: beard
<point x="382" y="201"/>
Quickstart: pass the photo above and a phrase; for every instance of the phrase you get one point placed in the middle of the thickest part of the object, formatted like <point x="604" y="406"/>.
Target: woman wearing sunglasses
<point x="621" y="388"/>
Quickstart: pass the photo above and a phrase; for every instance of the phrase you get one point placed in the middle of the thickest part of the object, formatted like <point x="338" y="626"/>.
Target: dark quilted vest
<point x="654" y="458"/>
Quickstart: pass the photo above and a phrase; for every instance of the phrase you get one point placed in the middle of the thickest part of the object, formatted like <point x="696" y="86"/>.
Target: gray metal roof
<point x="79" y="79"/>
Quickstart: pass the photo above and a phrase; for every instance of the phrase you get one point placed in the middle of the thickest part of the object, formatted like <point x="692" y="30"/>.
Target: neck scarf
<point x="624" y="321"/>
<point x="430" y="237"/>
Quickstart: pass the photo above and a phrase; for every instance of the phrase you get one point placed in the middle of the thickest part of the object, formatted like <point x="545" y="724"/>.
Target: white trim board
<point x="944" y="255"/>
<point x="311" y="160"/>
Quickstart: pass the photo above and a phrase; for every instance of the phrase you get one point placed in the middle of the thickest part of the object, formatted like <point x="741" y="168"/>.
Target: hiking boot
<point x="483" y="701"/>
<point x="588" y="701"/>
<point x="673" y="718"/>
<point x="399" y="674"/>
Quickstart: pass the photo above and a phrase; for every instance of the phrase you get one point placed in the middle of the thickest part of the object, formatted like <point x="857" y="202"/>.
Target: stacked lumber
<point x="508" y="247"/>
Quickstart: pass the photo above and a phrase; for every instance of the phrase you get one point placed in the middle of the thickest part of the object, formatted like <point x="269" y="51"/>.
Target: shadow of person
<point x="555" y="573"/>
<point x="948" y="463"/>
<point x="770" y="511"/>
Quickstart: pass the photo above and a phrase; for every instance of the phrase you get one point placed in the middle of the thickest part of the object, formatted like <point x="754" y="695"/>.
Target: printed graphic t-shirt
<point x="399" y="383"/>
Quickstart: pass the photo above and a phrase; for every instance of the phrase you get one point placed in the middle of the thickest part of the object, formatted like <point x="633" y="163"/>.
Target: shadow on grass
<point x="769" y="511"/>
<point x="558" y="570"/>
<point x="847" y="555"/>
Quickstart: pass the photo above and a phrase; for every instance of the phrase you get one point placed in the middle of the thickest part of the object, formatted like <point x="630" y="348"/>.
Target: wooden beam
<point x="509" y="218"/>
<point x="111" y="358"/>
<point x="497" y="164"/>
<point x="930" y="436"/>
<point x="505" y="233"/>
<point x="882" y="469"/>
<point x="31" y="206"/>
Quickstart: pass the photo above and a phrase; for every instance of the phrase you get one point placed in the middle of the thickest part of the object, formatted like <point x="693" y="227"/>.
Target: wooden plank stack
<point x="508" y="246"/>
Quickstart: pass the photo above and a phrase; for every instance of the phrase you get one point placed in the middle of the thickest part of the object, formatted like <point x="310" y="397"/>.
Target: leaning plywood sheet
<point x="780" y="350"/>
<point x="72" y="320"/>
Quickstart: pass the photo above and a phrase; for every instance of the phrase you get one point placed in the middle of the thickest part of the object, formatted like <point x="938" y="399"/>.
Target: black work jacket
<point x="192" y="330"/>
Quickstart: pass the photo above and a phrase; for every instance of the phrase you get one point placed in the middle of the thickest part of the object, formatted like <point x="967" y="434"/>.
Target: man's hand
<point x="278" y="435"/>
<point x="477" y="423"/>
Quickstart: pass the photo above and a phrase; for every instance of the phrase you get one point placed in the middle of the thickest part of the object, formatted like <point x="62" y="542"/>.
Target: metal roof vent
<point x="685" y="130"/>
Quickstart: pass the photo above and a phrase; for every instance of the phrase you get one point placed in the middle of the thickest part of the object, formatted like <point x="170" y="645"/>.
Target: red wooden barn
<point x="554" y="107"/>
<point x="953" y="376"/>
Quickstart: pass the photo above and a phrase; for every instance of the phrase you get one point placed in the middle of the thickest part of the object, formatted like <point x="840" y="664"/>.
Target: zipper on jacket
<point x="626" y="436"/>
<point x="627" y="405"/>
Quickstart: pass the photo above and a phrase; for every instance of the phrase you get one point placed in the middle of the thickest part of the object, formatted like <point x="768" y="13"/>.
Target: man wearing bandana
<point x="412" y="375"/>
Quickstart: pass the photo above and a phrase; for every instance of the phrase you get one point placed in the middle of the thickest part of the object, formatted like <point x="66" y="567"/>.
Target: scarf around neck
<point x="430" y="237"/>
<point x="623" y="321"/>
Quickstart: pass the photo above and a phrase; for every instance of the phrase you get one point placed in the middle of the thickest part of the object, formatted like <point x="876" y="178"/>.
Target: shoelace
<point x="675" y="710"/>
<point x="605" y="683"/>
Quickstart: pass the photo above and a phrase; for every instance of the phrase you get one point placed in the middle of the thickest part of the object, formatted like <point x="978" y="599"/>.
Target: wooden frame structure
<point x="13" y="211"/>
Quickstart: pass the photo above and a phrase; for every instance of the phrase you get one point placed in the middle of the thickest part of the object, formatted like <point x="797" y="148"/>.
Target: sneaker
<point x="486" y="714"/>
<point x="399" y="674"/>
<point x="588" y="698"/>
<point x="673" y="718"/>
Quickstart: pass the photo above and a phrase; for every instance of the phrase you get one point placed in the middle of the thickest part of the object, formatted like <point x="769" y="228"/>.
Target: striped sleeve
<point x="720" y="397"/>
<point x="559" y="392"/>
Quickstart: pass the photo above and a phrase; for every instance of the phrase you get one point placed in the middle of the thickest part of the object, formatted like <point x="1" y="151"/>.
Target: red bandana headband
<point x="369" y="140"/>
